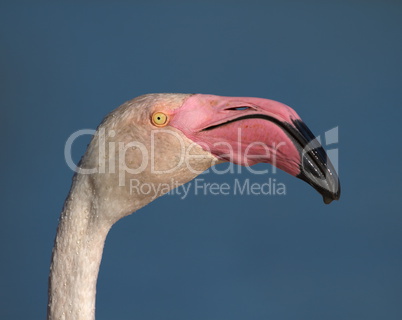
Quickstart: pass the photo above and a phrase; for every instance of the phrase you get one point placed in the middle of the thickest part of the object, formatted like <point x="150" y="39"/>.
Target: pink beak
<point x="247" y="131"/>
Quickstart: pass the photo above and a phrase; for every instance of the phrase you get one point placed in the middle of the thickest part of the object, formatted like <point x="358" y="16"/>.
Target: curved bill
<point x="247" y="131"/>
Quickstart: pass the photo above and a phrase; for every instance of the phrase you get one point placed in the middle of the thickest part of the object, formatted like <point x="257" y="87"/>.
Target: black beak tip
<point x="329" y="189"/>
<point x="315" y="168"/>
<point x="329" y="196"/>
<point x="327" y="200"/>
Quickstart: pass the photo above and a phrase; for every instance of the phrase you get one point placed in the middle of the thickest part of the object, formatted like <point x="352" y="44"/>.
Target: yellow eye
<point x="160" y="119"/>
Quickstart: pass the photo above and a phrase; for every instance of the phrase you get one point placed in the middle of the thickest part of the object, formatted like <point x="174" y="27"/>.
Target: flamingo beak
<point x="247" y="131"/>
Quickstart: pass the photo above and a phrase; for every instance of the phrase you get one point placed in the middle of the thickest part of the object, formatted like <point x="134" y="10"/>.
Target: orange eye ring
<point x="159" y="119"/>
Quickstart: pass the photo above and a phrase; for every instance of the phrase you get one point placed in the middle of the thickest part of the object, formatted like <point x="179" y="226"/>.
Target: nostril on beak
<point x="241" y="108"/>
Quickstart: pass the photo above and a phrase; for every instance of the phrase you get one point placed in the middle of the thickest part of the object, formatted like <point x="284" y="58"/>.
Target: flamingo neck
<point x="76" y="255"/>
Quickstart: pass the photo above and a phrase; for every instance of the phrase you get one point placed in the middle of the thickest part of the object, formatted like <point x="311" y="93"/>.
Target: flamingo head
<point x="161" y="141"/>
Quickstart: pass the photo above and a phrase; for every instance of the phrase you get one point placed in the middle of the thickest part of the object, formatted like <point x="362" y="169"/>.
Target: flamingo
<point x="156" y="139"/>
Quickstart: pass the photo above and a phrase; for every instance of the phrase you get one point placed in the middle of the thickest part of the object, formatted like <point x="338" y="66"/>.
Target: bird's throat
<point x="76" y="257"/>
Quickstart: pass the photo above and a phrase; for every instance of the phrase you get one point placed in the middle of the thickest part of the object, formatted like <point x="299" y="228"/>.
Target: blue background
<point x="64" y="66"/>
